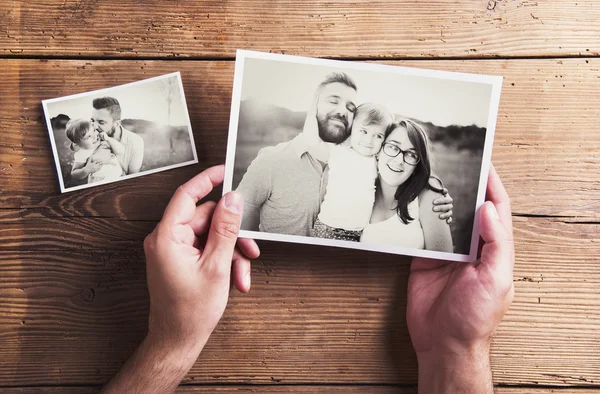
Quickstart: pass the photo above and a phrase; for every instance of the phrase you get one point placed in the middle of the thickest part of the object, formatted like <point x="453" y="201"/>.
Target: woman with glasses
<point x="402" y="214"/>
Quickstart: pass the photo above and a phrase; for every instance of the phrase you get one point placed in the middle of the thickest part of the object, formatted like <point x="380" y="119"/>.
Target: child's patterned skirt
<point x="321" y="230"/>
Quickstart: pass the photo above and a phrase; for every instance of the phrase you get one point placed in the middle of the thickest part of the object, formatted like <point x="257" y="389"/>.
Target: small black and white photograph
<point x="361" y="155"/>
<point x="120" y="132"/>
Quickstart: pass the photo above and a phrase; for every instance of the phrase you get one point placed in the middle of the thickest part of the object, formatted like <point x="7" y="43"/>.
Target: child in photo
<point x="350" y="194"/>
<point x="94" y="153"/>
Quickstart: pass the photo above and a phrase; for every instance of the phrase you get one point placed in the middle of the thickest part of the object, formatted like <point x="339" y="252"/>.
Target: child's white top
<point x="350" y="189"/>
<point x="394" y="232"/>
<point x="110" y="171"/>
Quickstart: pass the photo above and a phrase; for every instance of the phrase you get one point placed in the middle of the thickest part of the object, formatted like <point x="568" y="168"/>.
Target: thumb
<point x="498" y="252"/>
<point x="223" y="232"/>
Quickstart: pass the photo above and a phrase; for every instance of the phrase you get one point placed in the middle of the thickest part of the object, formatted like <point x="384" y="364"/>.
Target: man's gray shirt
<point x="286" y="185"/>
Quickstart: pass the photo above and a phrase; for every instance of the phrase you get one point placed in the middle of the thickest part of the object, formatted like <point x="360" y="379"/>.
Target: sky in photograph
<point x="439" y="101"/>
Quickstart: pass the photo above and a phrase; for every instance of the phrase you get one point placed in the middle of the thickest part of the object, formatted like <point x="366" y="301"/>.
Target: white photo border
<point x="494" y="81"/>
<point x="106" y="90"/>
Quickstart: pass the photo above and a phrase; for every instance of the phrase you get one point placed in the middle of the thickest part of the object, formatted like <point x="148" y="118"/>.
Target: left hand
<point x="191" y="259"/>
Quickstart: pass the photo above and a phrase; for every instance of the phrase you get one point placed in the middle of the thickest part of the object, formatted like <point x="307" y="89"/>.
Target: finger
<point x="443" y="200"/>
<point x="223" y="232"/>
<point x="446" y="215"/>
<point x="182" y="207"/>
<point x="497" y="254"/>
<point x="248" y="247"/>
<point x="496" y="193"/>
<point x="443" y="208"/>
<point x="444" y="191"/>
<point x="449" y="220"/>
<point x="240" y="272"/>
<point x="200" y="222"/>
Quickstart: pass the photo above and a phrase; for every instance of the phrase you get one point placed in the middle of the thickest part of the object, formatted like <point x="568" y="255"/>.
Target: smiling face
<point x="366" y="140"/>
<point x="335" y="112"/>
<point x="90" y="139"/>
<point x="394" y="171"/>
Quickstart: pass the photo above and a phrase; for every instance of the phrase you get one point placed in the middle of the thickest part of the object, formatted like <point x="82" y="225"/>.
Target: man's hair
<point x="338" y="78"/>
<point x="374" y="114"/>
<point x="111" y="104"/>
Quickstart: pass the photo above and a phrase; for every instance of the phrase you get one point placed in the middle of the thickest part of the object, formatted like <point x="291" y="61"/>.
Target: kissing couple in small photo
<point x="102" y="148"/>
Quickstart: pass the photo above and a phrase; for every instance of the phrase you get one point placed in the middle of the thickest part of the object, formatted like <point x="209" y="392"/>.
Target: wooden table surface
<point x="73" y="298"/>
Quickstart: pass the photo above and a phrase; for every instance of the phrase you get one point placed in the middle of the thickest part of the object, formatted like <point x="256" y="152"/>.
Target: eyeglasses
<point x="409" y="157"/>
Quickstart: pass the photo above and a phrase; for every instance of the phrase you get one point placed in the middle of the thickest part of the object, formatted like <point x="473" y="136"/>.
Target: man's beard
<point x="111" y="132"/>
<point x="329" y="132"/>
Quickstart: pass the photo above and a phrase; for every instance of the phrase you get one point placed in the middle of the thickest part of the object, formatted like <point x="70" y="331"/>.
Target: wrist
<point x="155" y="367"/>
<point x="456" y="370"/>
<point x="177" y="331"/>
<point x="180" y="355"/>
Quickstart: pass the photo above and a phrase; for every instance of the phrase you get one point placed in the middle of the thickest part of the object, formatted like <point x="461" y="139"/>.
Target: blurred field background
<point x="458" y="152"/>
<point x="163" y="145"/>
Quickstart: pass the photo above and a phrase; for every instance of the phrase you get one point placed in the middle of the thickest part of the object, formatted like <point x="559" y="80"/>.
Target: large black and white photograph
<point x="120" y="132"/>
<point x="366" y="156"/>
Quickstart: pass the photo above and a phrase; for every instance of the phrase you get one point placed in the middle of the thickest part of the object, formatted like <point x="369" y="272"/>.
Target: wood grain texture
<point x="73" y="297"/>
<point x="297" y="389"/>
<point x="242" y="389"/>
<point x="383" y="29"/>
<point x="72" y="316"/>
<point x="23" y="229"/>
<point x="547" y="145"/>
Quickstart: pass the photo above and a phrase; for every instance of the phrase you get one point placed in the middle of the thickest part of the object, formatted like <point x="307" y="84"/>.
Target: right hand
<point x="444" y="206"/>
<point x="454" y="308"/>
<point x="191" y="260"/>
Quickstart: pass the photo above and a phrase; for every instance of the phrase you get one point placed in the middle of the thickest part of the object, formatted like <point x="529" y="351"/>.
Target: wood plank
<point x="73" y="316"/>
<point x="275" y="389"/>
<point x="382" y="29"/>
<point x="25" y="228"/>
<point x="280" y="389"/>
<point x="547" y="146"/>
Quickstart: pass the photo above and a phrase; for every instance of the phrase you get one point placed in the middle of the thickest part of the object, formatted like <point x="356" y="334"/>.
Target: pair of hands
<point x="194" y="255"/>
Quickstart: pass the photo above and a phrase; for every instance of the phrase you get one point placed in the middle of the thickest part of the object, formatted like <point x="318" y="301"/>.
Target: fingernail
<point x="234" y="202"/>
<point x="436" y="209"/>
<point x="247" y="280"/>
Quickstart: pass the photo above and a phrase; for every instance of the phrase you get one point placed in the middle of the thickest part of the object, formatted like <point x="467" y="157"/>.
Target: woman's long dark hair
<point x="421" y="178"/>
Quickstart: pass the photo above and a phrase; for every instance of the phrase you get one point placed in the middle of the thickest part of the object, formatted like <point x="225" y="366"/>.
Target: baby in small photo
<point x="94" y="153"/>
<point x="350" y="193"/>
